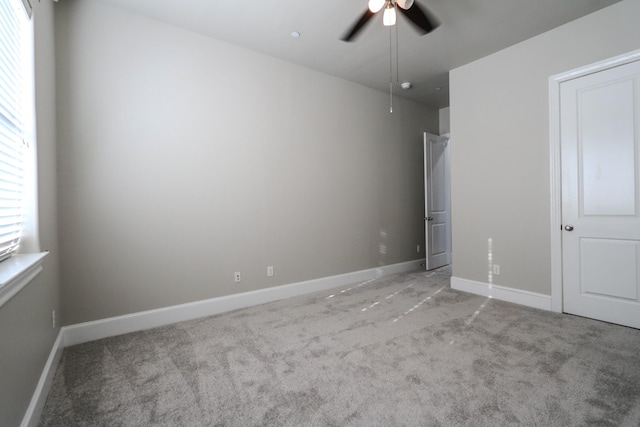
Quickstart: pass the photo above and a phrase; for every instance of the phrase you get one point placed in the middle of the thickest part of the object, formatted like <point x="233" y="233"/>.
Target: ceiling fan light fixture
<point x="376" y="5"/>
<point x="389" y="17"/>
<point x="405" y="4"/>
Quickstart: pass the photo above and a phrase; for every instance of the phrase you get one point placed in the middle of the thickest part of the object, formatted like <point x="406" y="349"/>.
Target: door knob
<point x="568" y="227"/>
<point x="429" y="218"/>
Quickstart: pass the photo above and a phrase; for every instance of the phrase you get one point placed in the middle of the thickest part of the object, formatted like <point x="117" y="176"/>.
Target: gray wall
<point x="500" y="151"/>
<point x="445" y="120"/>
<point x="184" y="159"/>
<point x="26" y="335"/>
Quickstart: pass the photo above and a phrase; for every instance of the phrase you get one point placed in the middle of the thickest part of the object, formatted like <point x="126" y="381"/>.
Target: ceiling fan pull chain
<point x="390" y="97"/>
<point x="397" y="57"/>
<point x="390" y="73"/>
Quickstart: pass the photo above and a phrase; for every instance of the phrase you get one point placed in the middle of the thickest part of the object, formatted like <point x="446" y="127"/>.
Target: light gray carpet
<point x="402" y="350"/>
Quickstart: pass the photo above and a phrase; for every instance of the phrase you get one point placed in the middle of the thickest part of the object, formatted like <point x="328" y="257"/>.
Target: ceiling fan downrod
<point x="376" y="5"/>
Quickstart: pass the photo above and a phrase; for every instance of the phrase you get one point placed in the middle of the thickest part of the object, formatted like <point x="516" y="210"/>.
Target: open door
<point x="437" y="201"/>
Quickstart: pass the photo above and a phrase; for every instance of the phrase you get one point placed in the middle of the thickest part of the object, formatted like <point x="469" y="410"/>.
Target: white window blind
<point x="14" y="133"/>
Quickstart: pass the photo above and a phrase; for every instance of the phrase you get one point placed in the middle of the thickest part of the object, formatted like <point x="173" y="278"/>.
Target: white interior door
<point x="600" y="133"/>
<point x="437" y="201"/>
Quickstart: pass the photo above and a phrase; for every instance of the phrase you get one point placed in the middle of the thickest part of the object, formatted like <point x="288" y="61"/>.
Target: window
<point x="15" y="126"/>
<point x="19" y="262"/>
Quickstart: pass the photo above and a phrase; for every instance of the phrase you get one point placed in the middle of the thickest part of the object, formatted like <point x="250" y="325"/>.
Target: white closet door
<point x="600" y="134"/>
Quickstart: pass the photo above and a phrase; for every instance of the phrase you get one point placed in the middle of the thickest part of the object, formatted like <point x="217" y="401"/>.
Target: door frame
<point x="447" y="190"/>
<point x="555" y="165"/>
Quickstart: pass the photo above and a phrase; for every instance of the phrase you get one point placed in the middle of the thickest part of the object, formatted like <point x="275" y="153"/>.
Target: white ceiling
<point x="469" y="30"/>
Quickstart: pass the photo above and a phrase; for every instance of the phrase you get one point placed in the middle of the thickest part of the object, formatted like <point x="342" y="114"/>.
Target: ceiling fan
<point x="418" y="16"/>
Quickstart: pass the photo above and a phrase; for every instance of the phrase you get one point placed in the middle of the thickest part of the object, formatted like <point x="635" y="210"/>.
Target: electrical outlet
<point x="270" y="271"/>
<point x="236" y="277"/>
<point x="496" y="269"/>
<point x="53" y="319"/>
<point x="418" y="248"/>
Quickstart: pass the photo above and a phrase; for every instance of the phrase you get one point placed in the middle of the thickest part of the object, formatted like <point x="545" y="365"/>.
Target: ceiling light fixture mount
<point x="376" y="5"/>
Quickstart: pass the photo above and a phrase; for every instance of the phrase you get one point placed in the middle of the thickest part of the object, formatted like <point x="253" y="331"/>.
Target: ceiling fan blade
<point x="359" y="24"/>
<point x="421" y="18"/>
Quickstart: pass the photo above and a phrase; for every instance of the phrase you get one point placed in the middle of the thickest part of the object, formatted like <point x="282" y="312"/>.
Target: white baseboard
<point x="517" y="296"/>
<point x="32" y="416"/>
<point x="89" y="331"/>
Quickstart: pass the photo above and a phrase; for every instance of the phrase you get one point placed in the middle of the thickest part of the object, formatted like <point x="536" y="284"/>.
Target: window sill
<point x="16" y="272"/>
